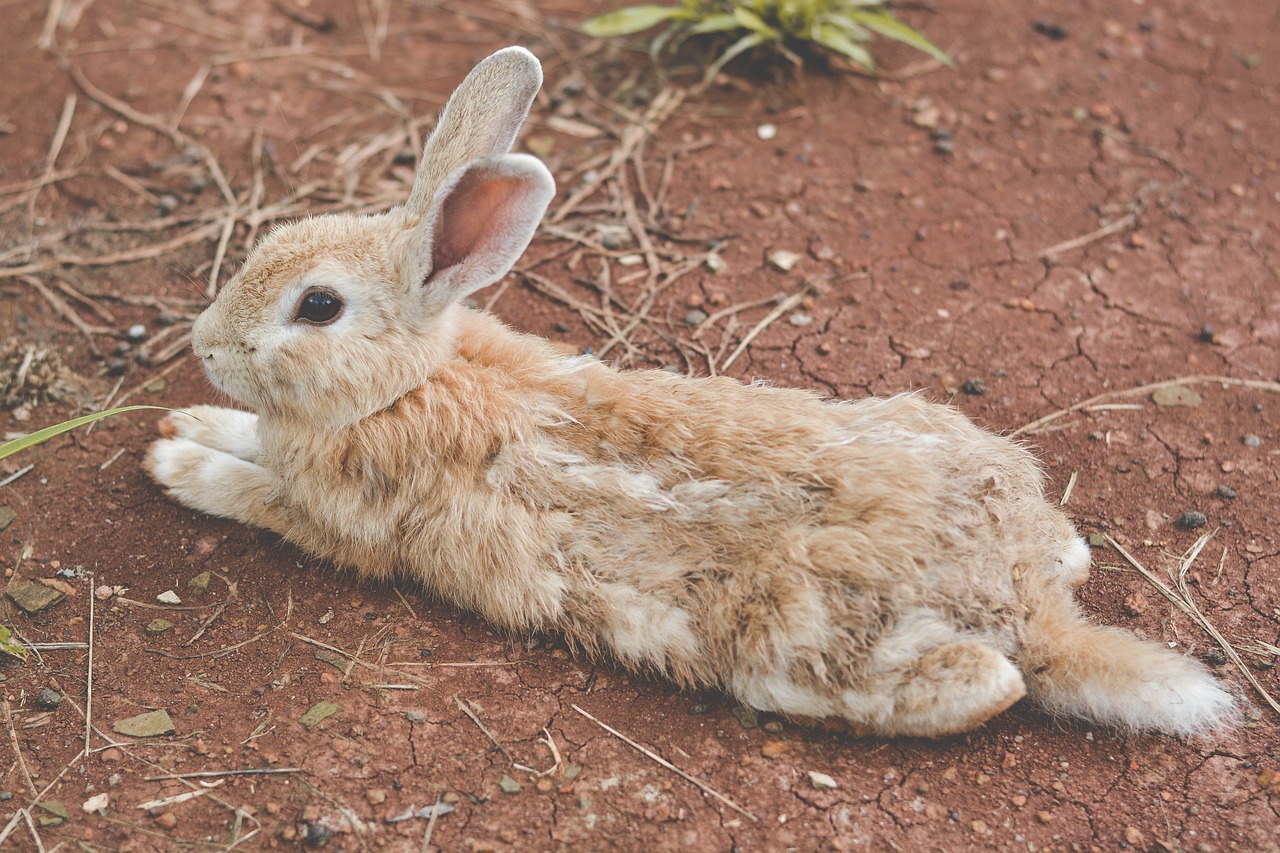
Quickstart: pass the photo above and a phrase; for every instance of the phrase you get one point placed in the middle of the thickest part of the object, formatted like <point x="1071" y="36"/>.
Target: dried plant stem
<point x="781" y="308"/>
<point x="17" y="751"/>
<point x="667" y="764"/>
<point x="88" y="693"/>
<point x="463" y="707"/>
<point x="1184" y="601"/>
<point x="1039" y="424"/>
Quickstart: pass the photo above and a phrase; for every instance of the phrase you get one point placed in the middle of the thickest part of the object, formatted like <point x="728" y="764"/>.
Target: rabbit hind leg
<point x="924" y="679"/>
<point x="951" y="688"/>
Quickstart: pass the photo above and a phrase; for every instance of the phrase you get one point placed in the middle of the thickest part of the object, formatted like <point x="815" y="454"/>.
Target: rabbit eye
<point x="318" y="307"/>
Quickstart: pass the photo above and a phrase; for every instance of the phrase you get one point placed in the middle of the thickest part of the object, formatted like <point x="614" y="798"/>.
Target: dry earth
<point x="1088" y="204"/>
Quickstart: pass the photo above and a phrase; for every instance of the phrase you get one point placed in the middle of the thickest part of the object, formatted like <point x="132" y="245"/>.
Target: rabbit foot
<point x="214" y="482"/>
<point x="953" y="688"/>
<point x="229" y="430"/>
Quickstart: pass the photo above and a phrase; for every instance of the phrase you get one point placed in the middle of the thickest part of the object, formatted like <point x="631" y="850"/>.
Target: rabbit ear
<point x="481" y="119"/>
<point x="479" y="224"/>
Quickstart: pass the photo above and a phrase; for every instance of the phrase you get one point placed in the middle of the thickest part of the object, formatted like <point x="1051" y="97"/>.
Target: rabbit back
<point x="714" y="532"/>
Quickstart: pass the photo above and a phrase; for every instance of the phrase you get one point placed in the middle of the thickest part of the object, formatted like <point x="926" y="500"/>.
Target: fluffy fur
<point x="885" y="562"/>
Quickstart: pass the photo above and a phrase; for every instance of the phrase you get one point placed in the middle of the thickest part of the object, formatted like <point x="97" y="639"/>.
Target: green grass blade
<point x="887" y="25"/>
<point x="749" y="20"/>
<point x="714" y="24"/>
<point x="633" y="19"/>
<point x="838" y="40"/>
<point x="11" y="646"/>
<point x="41" y="435"/>
<point x="745" y="43"/>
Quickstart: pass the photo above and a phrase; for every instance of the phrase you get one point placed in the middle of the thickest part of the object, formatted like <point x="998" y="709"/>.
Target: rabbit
<point x="883" y="564"/>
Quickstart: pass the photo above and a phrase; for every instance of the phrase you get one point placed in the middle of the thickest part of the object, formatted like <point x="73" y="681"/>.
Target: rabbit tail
<point x="1076" y="668"/>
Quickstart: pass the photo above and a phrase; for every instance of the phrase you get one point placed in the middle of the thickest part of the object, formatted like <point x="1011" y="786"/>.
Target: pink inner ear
<point x="475" y="215"/>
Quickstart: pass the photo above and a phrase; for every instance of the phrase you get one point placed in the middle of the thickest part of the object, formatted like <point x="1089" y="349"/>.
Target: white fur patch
<point x="642" y="630"/>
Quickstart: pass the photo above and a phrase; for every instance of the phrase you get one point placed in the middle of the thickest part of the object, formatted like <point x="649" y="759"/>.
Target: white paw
<point x="229" y="430"/>
<point x="180" y="465"/>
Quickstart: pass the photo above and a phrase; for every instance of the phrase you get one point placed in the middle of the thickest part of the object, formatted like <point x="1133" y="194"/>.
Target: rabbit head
<point x="335" y="317"/>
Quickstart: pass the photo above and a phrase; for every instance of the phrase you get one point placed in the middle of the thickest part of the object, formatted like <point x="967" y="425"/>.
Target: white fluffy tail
<point x="1110" y="676"/>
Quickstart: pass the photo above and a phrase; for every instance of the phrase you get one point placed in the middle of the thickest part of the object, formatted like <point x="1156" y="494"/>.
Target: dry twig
<point x="667" y="764"/>
<point x="1185" y="602"/>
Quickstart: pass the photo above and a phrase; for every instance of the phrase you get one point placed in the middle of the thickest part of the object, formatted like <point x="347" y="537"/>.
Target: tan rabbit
<point x="885" y="562"/>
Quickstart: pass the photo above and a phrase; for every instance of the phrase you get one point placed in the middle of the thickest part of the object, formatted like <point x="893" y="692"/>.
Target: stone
<point x="822" y="780"/>
<point x="748" y="718"/>
<point x="318" y="713"/>
<point x="150" y="724"/>
<point x="1172" y="396"/>
<point x="199" y="584"/>
<point x="773" y="748"/>
<point x="1192" y="520"/>
<point x="7" y="516"/>
<point x="48" y="699"/>
<point x="509" y="785"/>
<point x="33" y="597"/>
<point x="784" y="260"/>
<point x="158" y="626"/>
<point x="98" y="802"/>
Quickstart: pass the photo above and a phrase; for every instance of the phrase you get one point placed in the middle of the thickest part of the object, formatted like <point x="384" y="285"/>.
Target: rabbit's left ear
<point x="481" y="119"/>
<point x="478" y="224"/>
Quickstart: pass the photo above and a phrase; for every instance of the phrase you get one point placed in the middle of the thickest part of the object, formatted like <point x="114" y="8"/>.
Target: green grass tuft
<point x="844" y="27"/>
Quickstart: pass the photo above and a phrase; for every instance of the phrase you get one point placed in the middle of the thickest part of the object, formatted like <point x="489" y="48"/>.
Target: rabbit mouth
<point x="214" y="378"/>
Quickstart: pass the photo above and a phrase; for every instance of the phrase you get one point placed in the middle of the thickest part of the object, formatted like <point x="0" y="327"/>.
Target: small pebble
<point x="695" y="317"/>
<point x="821" y="780"/>
<point x="1192" y="520"/>
<point x="767" y="131"/>
<point x="1214" y="657"/>
<point x="974" y="387"/>
<point x="1225" y="491"/>
<point x="784" y="260"/>
<point x="1206" y="333"/>
<point x="416" y="716"/>
<point x="1251" y="440"/>
<point x="168" y="597"/>
<point x="166" y="820"/>
<point x="1056" y="32"/>
<point x="748" y="718"/>
<point x="158" y="626"/>
<point x="136" y="332"/>
<point x="509" y="785"/>
<point x="773" y="748"/>
<point x="315" y="835"/>
<point x="773" y="727"/>
<point x="48" y="699"/>
<point x="800" y="319"/>
<point x="376" y="796"/>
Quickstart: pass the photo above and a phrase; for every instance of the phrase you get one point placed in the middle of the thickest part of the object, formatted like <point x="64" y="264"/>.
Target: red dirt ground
<point x="927" y="273"/>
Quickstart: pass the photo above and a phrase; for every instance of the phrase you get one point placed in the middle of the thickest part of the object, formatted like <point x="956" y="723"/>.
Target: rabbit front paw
<point x="229" y="430"/>
<point x="211" y="481"/>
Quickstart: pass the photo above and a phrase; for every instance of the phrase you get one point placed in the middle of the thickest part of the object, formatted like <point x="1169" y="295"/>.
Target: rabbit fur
<point x="883" y="563"/>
